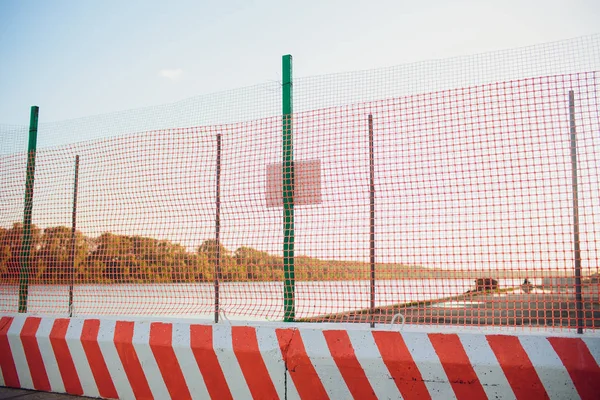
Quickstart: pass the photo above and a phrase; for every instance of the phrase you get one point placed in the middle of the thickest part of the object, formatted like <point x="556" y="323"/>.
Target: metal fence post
<point x="372" y="217"/>
<point x="576" y="239"/>
<point x="288" y="192"/>
<point x="218" y="229"/>
<point x="29" y="180"/>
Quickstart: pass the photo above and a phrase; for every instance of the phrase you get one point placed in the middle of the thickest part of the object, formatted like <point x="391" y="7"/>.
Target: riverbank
<point x="504" y="307"/>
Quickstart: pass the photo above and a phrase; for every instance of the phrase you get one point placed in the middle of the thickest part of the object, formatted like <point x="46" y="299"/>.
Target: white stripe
<point x="223" y="345"/>
<point x="187" y="361"/>
<point x="375" y="369"/>
<point x="327" y="369"/>
<point x="486" y="366"/>
<point x="593" y="345"/>
<point x="16" y="347"/>
<point x="82" y="366"/>
<point x="106" y="342"/>
<point x="48" y="356"/>
<point x="549" y="367"/>
<point x="429" y="365"/>
<point x="268" y="346"/>
<point x="141" y="344"/>
<point x="292" y="392"/>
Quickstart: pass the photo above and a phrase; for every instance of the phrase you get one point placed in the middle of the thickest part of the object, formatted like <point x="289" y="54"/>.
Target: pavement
<point x="21" y="394"/>
<point x="536" y="308"/>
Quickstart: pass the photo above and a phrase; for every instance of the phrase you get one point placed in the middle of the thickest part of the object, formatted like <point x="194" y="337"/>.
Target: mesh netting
<point x="13" y="164"/>
<point x="562" y="57"/>
<point x="468" y="197"/>
<point x="473" y="205"/>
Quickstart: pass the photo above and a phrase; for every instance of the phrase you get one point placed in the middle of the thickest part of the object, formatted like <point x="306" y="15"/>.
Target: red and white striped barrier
<point x="158" y="360"/>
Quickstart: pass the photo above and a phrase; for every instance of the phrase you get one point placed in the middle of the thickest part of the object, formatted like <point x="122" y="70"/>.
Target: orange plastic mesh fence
<point x="472" y="205"/>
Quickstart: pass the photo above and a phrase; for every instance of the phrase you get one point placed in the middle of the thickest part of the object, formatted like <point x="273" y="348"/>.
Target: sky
<point x="81" y="58"/>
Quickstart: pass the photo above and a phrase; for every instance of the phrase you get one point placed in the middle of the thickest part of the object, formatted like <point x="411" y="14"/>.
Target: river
<point x="238" y="300"/>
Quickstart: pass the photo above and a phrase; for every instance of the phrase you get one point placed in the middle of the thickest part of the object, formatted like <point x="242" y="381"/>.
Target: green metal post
<point x="218" y="230"/>
<point x="288" y="193"/>
<point x="73" y="235"/>
<point x="29" y="180"/>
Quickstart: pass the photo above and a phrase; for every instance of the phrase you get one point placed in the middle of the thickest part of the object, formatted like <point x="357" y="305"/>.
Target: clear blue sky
<point x="79" y="58"/>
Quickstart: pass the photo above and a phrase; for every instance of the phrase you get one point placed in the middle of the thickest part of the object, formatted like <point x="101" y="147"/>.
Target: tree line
<point x="114" y="258"/>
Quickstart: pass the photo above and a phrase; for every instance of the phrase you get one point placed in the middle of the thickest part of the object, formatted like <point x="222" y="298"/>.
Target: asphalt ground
<point x="21" y="394"/>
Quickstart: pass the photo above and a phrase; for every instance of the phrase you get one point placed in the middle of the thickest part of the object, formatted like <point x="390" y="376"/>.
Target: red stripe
<point x="517" y="367"/>
<point x="457" y="365"/>
<point x="201" y="342"/>
<point x="401" y="365"/>
<point x="129" y="359"/>
<point x="245" y="347"/>
<point x="580" y="364"/>
<point x="89" y="341"/>
<point x="345" y="358"/>
<point x="33" y="355"/>
<point x="64" y="360"/>
<point x="161" y="343"/>
<point x="7" y="362"/>
<point x="303" y="373"/>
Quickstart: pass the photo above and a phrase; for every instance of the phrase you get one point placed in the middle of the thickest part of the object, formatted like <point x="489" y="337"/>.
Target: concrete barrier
<point x="160" y="360"/>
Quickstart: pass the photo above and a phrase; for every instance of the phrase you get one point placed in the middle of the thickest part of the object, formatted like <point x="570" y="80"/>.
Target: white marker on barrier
<point x="82" y="366"/>
<point x="368" y="356"/>
<point x="106" y="342"/>
<point x="486" y="366"/>
<point x="429" y="365"/>
<point x="141" y="344"/>
<point x="549" y="367"/>
<point x="187" y="361"/>
<point x="43" y="339"/>
<point x="223" y="345"/>
<point x="324" y="364"/>
<point x="18" y="353"/>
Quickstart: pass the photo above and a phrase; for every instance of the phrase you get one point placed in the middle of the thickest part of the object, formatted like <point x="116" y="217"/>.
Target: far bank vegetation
<point x="113" y="258"/>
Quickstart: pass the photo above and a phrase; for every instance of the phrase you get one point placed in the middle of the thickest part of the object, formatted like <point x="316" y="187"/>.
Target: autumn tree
<point x="214" y="252"/>
<point x="259" y="265"/>
<point x="192" y="267"/>
<point x="115" y="253"/>
<point x="165" y="261"/>
<point x="55" y="258"/>
<point x="116" y="258"/>
<point x="11" y="246"/>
